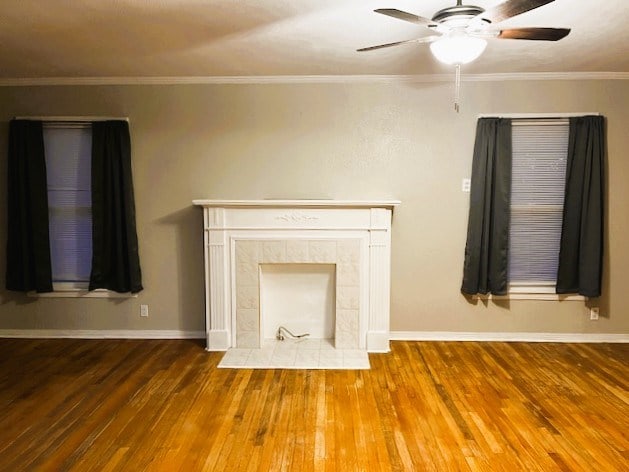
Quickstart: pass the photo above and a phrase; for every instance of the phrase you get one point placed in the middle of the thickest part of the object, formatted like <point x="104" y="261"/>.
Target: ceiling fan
<point x="462" y="24"/>
<point x="462" y="31"/>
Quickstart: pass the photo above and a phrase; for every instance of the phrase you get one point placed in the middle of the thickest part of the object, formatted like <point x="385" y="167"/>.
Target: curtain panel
<point x="28" y="248"/>
<point x="115" y="255"/>
<point x="486" y="265"/>
<point x="581" y="250"/>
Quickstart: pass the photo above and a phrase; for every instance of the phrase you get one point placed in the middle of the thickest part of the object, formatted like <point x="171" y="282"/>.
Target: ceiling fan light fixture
<point x="458" y="49"/>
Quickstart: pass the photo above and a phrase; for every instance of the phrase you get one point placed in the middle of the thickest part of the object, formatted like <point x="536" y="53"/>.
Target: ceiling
<point x="229" y="38"/>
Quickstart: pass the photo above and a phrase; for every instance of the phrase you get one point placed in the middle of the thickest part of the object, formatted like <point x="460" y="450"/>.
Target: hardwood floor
<point x="105" y="405"/>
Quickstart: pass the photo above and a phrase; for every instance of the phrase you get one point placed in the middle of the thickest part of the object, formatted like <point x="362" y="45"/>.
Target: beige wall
<point x="345" y="141"/>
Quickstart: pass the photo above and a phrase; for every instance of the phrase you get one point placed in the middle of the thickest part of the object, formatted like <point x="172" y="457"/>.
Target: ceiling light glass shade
<point x="458" y="49"/>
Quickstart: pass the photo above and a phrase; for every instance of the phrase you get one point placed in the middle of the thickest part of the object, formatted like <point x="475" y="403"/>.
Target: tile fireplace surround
<point x="241" y="235"/>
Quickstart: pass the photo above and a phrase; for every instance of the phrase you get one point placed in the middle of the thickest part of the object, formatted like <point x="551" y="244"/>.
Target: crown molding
<point x="306" y="79"/>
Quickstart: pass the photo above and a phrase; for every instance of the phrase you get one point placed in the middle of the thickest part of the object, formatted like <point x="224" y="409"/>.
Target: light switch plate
<point x="466" y="185"/>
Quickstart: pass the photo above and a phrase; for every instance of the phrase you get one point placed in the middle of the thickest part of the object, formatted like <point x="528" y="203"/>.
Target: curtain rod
<point x="86" y="119"/>
<point x="532" y="116"/>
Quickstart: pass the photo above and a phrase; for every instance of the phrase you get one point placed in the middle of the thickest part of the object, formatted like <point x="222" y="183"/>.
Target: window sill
<point x="534" y="291"/>
<point x="81" y="293"/>
<point x="533" y="296"/>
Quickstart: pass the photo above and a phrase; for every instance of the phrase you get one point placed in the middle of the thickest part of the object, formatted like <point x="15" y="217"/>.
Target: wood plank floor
<point x="108" y="405"/>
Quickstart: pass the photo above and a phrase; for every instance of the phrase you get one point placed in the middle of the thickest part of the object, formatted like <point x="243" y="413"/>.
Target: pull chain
<point x="457" y="87"/>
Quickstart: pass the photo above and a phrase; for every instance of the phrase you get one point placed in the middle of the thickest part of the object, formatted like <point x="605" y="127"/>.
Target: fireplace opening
<point x="300" y="297"/>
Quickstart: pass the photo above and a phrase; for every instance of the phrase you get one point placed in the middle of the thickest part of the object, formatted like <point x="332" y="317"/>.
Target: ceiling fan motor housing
<point x="458" y="13"/>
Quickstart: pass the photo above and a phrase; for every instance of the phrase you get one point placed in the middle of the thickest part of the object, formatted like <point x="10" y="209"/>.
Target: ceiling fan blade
<point x="402" y="15"/>
<point x="511" y="8"/>
<point x="535" y="34"/>
<point x="425" y="39"/>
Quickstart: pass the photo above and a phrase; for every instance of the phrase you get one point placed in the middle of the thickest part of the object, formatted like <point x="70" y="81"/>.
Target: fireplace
<point x="248" y="240"/>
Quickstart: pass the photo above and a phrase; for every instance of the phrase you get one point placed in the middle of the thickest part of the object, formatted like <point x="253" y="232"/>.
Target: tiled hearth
<point x="296" y="354"/>
<point x="242" y="236"/>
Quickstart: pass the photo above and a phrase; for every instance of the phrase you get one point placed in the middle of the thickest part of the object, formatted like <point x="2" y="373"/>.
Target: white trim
<point x="394" y="335"/>
<point x="281" y="203"/>
<point x="308" y="79"/>
<point x="78" y="293"/>
<point x="100" y="334"/>
<point x="552" y="297"/>
<point x="542" y="76"/>
<point x="509" y="337"/>
<point x="533" y="291"/>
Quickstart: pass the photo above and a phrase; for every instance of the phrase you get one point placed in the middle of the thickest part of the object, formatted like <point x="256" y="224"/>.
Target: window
<point x="68" y="149"/>
<point x="539" y="155"/>
<point x="535" y="227"/>
<point x="52" y="211"/>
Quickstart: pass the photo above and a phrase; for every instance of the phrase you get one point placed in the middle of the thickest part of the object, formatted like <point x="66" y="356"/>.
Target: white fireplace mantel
<point x="239" y="235"/>
<point x="279" y="203"/>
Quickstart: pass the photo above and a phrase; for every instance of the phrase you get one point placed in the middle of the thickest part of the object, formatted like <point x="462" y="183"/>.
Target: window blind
<point x="68" y="148"/>
<point x="539" y="156"/>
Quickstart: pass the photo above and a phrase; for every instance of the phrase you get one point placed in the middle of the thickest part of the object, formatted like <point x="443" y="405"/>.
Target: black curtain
<point x="115" y="258"/>
<point x="487" y="248"/>
<point x="581" y="251"/>
<point x="28" y="250"/>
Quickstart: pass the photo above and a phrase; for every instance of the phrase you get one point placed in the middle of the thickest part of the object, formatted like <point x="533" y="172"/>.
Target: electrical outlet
<point x="594" y="313"/>
<point x="144" y="310"/>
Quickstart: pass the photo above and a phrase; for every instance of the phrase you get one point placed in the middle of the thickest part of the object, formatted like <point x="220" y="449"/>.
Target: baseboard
<point x="100" y="334"/>
<point x="393" y="336"/>
<point x="513" y="337"/>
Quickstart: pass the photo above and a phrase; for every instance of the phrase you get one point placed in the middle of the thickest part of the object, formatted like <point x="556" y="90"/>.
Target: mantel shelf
<point x="272" y="203"/>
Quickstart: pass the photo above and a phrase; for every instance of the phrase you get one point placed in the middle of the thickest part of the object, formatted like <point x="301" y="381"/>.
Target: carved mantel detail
<point x="297" y="216"/>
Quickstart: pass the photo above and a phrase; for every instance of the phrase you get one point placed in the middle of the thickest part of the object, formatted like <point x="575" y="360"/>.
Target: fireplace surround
<point x="242" y="235"/>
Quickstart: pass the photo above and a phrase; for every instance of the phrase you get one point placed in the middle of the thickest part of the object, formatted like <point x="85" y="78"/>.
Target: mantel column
<point x="217" y="302"/>
<point x="379" y="280"/>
